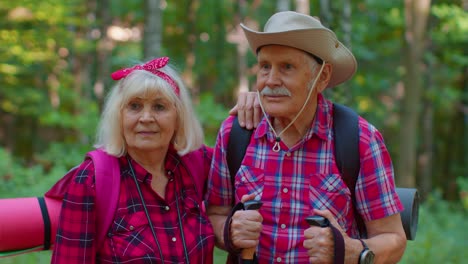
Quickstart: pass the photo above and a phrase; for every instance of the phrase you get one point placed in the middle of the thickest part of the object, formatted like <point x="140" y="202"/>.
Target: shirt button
<point x="132" y="228"/>
<point x="278" y="259"/>
<point x="167" y="208"/>
<point x="174" y="239"/>
<point x="243" y="179"/>
<point x="169" y="172"/>
<point x="285" y="190"/>
<point x="288" y="154"/>
<point x="283" y="226"/>
<point x="330" y="188"/>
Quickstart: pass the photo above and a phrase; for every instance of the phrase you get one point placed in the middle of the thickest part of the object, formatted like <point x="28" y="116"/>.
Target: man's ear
<point x="325" y="77"/>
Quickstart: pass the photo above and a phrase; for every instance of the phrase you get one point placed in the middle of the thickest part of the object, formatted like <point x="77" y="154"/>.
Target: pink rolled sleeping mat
<point x="28" y="224"/>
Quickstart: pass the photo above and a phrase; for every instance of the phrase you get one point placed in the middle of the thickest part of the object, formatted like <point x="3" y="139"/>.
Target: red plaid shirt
<point x="130" y="239"/>
<point x="294" y="181"/>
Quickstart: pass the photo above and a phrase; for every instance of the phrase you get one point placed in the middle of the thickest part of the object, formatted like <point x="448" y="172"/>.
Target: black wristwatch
<point x="366" y="256"/>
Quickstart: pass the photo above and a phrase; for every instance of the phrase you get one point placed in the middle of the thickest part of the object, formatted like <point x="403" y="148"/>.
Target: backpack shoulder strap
<point x="198" y="165"/>
<point x="346" y="133"/>
<point x="239" y="139"/>
<point x="107" y="174"/>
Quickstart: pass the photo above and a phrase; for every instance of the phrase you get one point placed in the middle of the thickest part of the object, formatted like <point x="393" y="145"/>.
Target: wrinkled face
<point x="283" y="79"/>
<point x="149" y="123"/>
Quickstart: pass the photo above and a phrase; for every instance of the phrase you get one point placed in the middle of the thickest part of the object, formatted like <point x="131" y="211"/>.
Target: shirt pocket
<point x="129" y="235"/>
<point x="191" y="204"/>
<point x="196" y="220"/>
<point x="329" y="191"/>
<point x="249" y="180"/>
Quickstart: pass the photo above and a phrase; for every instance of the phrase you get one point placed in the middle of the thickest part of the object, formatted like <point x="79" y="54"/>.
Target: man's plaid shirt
<point x="294" y="181"/>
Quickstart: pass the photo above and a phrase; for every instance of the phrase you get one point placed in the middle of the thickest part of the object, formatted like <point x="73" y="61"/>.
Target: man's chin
<point x="276" y="111"/>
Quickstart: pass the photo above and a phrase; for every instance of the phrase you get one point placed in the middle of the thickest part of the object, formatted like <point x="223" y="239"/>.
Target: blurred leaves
<point x="51" y="89"/>
<point x="50" y="104"/>
<point x="441" y="235"/>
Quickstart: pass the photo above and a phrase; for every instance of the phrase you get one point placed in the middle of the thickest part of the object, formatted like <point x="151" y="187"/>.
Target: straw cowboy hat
<point x="306" y="33"/>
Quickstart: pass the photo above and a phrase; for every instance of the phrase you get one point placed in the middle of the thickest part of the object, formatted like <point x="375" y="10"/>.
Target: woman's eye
<point x="134" y="105"/>
<point x="159" y="107"/>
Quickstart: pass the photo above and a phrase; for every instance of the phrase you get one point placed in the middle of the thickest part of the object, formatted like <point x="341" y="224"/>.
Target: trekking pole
<point x="248" y="254"/>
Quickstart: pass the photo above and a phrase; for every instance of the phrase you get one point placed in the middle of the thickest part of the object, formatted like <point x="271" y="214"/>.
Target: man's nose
<point x="273" y="78"/>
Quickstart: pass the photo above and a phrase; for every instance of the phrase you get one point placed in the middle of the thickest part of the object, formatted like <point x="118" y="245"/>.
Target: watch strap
<point x="364" y="245"/>
<point x="366" y="248"/>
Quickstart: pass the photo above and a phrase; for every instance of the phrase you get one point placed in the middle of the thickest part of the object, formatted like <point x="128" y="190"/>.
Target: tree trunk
<point x="303" y="6"/>
<point x="426" y="158"/>
<point x="282" y="5"/>
<point x="152" y="34"/>
<point x="326" y="16"/>
<point x="104" y="49"/>
<point x="346" y="25"/>
<point x="416" y="16"/>
<point x="242" y="49"/>
<point x="191" y="41"/>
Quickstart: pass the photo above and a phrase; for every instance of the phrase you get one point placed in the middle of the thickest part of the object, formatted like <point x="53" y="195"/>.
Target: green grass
<point x="219" y="256"/>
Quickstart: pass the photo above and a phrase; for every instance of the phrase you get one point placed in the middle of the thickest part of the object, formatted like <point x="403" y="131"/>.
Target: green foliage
<point x="463" y="185"/>
<point x="17" y="180"/>
<point x="42" y="257"/>
<point x="210" y="114"/>
<point x="219" y="256"/>
<point x="50" y="111"/>
<point x="452" y="26"/>
<point x="441" y="236"/>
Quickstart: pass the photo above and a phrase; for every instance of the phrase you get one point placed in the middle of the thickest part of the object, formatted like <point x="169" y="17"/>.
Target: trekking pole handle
<point x="317" y="220"/>
<point x="247" y="254"/>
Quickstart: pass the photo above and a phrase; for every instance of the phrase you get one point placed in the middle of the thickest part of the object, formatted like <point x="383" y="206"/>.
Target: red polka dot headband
<point x="151" y="66"/>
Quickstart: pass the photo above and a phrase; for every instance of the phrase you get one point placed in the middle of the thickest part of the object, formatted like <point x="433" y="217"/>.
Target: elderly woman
<point x="148" y="125"/>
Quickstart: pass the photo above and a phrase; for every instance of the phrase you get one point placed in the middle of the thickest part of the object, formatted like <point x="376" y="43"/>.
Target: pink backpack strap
<point x="107" y="176"/>
<point x="198" y="163"/>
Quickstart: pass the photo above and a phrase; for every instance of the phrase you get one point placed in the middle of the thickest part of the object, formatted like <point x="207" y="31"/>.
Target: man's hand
<point x="319" y="240"/>
<point x="248" y="110"/>
<point x="246" y="226"/>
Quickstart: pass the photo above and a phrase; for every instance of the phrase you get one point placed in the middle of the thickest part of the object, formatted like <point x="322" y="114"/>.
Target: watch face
<point x="367" y="257"/>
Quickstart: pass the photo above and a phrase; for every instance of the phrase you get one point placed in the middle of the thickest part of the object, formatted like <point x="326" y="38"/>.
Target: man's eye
<point x="265" y="66"/>
<point x="288" y="66"/>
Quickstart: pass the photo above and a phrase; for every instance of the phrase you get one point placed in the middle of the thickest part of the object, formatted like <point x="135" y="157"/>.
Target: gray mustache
<point x="277" y="91"/>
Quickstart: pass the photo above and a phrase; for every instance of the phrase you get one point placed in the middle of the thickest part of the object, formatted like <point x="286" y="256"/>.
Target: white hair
<point x="188" y="135"/>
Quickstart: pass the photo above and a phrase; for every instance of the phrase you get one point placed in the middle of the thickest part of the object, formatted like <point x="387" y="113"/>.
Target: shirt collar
<point x="171" y="164"/>
<point x="320" y="127"/>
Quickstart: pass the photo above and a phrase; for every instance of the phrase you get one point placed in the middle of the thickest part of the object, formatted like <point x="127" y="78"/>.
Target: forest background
<point x="412" y="84"/>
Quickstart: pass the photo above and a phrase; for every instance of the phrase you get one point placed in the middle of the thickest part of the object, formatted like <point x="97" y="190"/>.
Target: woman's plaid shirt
<point x="130" y="239"/>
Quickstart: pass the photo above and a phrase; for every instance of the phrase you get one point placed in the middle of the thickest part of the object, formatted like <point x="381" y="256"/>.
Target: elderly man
<point x="290" y="166"/>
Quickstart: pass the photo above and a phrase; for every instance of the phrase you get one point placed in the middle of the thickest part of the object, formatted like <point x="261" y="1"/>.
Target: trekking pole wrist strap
<point x="228" y="245"/>
<point x="339" y="246"/>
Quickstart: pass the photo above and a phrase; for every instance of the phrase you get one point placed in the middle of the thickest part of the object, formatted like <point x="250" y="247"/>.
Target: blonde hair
<point x="188" y="135"/>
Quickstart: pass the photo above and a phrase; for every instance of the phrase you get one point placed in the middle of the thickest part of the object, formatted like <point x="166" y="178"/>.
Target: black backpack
<point x="346" y="131"/>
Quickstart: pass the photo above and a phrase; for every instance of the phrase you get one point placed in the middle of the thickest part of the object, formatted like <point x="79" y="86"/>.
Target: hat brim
<point x="325" y="46"/>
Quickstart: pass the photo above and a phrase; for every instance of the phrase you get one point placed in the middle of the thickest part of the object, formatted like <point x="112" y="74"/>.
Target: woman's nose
<point x="147" y="116"/>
